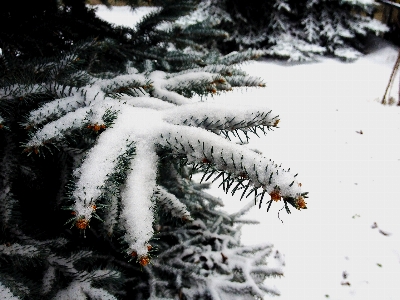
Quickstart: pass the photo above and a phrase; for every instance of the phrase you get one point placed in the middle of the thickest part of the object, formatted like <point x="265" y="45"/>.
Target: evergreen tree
<point x="294" y="30"/>
<point x="338" y="26"/>
<point x="98" y="129"/>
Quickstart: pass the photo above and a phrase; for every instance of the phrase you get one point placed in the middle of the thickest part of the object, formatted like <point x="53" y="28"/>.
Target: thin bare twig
<point x="395" y="68"/>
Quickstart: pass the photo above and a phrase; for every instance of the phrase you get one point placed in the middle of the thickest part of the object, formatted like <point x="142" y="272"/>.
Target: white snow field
<point x="353" y="178"/>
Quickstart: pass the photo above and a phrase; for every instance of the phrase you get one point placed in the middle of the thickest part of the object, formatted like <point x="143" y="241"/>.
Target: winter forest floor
<point x="331" y="249"/>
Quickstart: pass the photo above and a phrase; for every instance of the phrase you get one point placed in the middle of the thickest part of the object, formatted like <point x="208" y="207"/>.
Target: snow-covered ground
<point x="353" y="178"/>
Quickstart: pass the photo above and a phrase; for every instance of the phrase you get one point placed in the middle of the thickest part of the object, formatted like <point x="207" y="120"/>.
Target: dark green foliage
<point x="294" y="30"/>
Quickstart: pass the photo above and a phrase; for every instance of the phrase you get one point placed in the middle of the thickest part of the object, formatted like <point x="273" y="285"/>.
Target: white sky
<point x="348" y="174"/>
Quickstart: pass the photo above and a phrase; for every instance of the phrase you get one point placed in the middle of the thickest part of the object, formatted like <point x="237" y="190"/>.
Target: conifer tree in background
<point x="98" y="129"/>
<point x="294" y="30"/>
<point x="339" y="26"/>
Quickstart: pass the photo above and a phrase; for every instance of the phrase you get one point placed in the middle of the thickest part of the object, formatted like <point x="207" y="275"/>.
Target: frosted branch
<point x="172" y="204"/>
<point x="80" y="287"/>
<point x="200" y="146"/>
<point x="6" y="294"/>
<point x="78" y="290"/>
<point x="20" y="250"/>
<point x="111" y="216"/>
<point x="56" y="129"/>
<point x="220" y="116"/>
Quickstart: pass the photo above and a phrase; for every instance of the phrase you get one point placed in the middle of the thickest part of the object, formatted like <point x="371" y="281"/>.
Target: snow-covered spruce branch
<point x="216" y="154"/>
<point x="28" y="251"/>
<point x="223" y="119"/>
<point x="163" y="87"/>
<point x="224" y="70"/>
<point x="186" y="131"/>
<point x="238" y="57"/>
<point x="85" y="97"/>
<point x="81" y="285"/>
<point x="219" y="266"/>
<point x="6" y="294"/>
<point x="292" y="48"/>
<point x="45" y="77"/>
<point x="20" y="254"/>
<point x="80" y="282"/>
<point x="171" y="203"/>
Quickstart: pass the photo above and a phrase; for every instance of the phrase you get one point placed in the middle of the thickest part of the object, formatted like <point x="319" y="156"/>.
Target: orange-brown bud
<point x="96" y="127"/>
<point x="205" y="160"/>
<point x="144" y="261"/>
<point x="300" y="203"/>
<point x="275" y="195"/>
<point x="82" y="223"/>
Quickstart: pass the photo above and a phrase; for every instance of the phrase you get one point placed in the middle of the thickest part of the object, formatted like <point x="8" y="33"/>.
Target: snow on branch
<point x="239" y="81"/>
<point x="20" y="91"/>
<point x="311" y="27"/>
<point x="6" y="294"/>
<point x="220" y="116"/>
<point x="57" y="129"/>
<point x="224" y="118"/>
<point x="145" y="102"/>
<point x="18" y="249"/>
<point x="224" y="70"/>
<point x="218" y="154"/>
<point x="171" y="88"/>
<point x="289" y="46"/>
<point x="85" y="96"/>
<point x="376" y="26"/>
<point x="238" y="57"/>
<point x="120" y="169"/>
<point x="172" y="204"/>
<point x="81" y="285"/>
<point x="60" y="107"/>
<point x="361" y="3"/>
<point x="236" y="272"/>
<point x="137" y="214"/>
